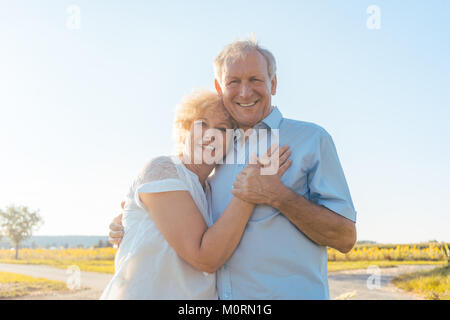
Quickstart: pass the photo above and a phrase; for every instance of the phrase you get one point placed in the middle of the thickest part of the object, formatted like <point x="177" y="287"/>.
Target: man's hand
<point x="254" y="187"/>
<point x="116" y="231"/>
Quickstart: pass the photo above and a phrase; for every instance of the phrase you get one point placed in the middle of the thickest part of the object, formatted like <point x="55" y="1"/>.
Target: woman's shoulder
<point x="160" y="161"/>
<point x="158" y="168"/>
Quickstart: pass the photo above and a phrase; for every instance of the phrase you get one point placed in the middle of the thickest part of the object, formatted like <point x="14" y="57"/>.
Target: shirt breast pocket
<point x="297" y="182"/>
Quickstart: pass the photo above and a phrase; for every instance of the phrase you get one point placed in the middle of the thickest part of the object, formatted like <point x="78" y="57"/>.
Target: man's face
<point x="246" y="89"/>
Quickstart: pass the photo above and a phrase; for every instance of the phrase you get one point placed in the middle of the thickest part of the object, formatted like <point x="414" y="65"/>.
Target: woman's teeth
<point x="209" y="147"/>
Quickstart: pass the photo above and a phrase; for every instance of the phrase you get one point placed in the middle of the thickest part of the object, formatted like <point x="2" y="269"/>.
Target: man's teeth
<point x="209" y="147"/>
<point x="247" y="105"/>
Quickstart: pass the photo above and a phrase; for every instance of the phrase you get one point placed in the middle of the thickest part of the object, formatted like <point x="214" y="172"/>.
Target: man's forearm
<point x="321" y="225"/>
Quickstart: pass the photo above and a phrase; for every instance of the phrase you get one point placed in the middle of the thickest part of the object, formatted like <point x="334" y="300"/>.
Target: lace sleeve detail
<point x="160" y="168"/>
<point x="159" y="175"/>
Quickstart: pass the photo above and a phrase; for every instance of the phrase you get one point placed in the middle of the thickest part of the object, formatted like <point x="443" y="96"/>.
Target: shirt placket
<point x="224" y="278"/>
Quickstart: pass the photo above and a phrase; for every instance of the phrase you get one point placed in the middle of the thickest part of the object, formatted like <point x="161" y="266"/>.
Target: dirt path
<point x="351" y="283"/>
<point x="362" y="285"/>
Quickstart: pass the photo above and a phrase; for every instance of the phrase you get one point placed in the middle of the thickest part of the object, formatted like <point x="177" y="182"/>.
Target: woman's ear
<point x="218" y="87"/>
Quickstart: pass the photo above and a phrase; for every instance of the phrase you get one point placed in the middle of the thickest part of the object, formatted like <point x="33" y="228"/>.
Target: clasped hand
<point x="255" y="185"/>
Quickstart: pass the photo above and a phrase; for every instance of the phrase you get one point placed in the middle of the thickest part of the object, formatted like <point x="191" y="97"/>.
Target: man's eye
<point x="223" y="129"/>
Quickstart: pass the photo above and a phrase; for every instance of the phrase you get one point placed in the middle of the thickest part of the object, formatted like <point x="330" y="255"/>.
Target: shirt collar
<point x="273" y="120"/>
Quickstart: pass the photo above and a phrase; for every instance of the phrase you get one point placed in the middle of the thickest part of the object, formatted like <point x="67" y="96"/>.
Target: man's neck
<point x="246" y="127"/>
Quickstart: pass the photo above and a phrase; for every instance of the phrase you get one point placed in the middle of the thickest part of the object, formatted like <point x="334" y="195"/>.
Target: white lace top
<point x="146" y="266"/>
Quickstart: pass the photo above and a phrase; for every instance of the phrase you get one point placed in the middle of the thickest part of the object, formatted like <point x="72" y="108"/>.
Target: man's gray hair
<point x="237" y="50"/>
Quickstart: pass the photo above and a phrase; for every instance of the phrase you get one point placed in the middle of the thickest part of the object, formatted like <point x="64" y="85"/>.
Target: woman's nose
<point x="208" y="137"/>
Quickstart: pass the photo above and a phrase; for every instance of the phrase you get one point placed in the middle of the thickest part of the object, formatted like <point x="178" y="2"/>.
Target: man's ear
<point x="273" y="85"/>
<point x="218" y="87"/>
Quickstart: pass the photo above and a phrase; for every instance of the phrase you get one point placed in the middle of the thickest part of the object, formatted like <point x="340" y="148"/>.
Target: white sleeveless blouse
<point x="146" y="266"/>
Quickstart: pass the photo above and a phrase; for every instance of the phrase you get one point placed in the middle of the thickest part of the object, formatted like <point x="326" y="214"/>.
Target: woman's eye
<point x="200" y="123"/>
<point x="223" y="129"/>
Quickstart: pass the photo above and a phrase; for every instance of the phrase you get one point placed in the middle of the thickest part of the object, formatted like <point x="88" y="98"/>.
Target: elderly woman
<point x="171" y="249"/>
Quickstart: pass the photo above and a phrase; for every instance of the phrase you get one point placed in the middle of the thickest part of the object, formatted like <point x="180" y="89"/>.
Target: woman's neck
<point x="201" y="170"/>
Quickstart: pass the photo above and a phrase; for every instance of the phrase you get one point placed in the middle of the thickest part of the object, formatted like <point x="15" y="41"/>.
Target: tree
<point x="99" y="244"/>
<point x="18" y="223"/>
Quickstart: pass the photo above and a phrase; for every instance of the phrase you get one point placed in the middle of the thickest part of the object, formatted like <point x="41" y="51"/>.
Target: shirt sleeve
<point x="326" y="180"/>
<point x="159" y="175"/>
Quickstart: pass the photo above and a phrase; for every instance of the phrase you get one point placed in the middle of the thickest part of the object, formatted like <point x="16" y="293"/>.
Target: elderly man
<point x="283" y="252"/>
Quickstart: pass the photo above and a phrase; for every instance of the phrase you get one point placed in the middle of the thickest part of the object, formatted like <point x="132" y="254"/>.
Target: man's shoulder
<point x="305" y="127"/>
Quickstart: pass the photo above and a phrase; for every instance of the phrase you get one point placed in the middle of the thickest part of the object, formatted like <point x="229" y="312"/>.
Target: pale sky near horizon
<point x="82" y="110"/>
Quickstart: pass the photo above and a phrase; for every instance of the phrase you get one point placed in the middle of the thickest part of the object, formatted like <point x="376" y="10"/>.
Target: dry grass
<point x="14" y="285"/>
<point x="433" y="284"/>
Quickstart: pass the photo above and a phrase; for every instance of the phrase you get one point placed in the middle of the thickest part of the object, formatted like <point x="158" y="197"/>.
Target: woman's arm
<point x="181" y="223"/>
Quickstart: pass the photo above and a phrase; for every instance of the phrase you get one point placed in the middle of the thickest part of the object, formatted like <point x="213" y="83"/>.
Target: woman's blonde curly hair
<point x="191" y="108"/>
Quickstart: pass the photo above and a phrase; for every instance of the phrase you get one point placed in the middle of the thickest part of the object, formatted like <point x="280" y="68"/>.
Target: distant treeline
<point x="60" y="241"/>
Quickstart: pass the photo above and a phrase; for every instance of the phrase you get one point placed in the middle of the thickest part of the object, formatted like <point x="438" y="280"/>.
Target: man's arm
<point x="320" y="224"/>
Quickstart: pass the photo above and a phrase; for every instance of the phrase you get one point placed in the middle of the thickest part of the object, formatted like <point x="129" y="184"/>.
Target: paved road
<point x="351" y="284"/>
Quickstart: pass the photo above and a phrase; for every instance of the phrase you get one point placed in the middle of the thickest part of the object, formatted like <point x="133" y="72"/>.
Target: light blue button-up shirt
<point x="274" y="259"/>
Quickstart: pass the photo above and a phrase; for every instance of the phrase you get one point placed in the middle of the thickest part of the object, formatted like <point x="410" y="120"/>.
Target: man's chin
<point x="247" y="121"/>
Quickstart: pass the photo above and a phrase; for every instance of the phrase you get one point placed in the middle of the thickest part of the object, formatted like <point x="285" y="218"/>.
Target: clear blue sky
<point x="81" y="111"/>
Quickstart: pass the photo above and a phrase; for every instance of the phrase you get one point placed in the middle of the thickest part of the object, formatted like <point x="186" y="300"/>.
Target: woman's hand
<point x="116" y="229"/>
<point x="253" y="186"/>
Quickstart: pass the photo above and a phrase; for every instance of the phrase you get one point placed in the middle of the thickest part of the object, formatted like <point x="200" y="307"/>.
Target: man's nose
<point x="245" y="90"/>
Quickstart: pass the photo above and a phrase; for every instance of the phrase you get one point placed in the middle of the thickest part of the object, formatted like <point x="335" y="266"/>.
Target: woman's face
<point x="208" y="139"/>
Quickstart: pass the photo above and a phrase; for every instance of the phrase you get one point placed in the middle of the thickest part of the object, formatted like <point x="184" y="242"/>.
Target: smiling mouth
<point x="247" y="105"/>
<point x="207" y="147"/>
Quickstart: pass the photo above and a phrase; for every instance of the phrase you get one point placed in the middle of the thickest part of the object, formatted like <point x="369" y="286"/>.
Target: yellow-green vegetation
<point x="364" y="264"/>
<point x="14" y="285"/>
<point x="412" y="252"/>
<point x="360" y="257"/>
<point x="433" y="284"/>
<point x="102" y="266"/>
<point x="93" y="260"/>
